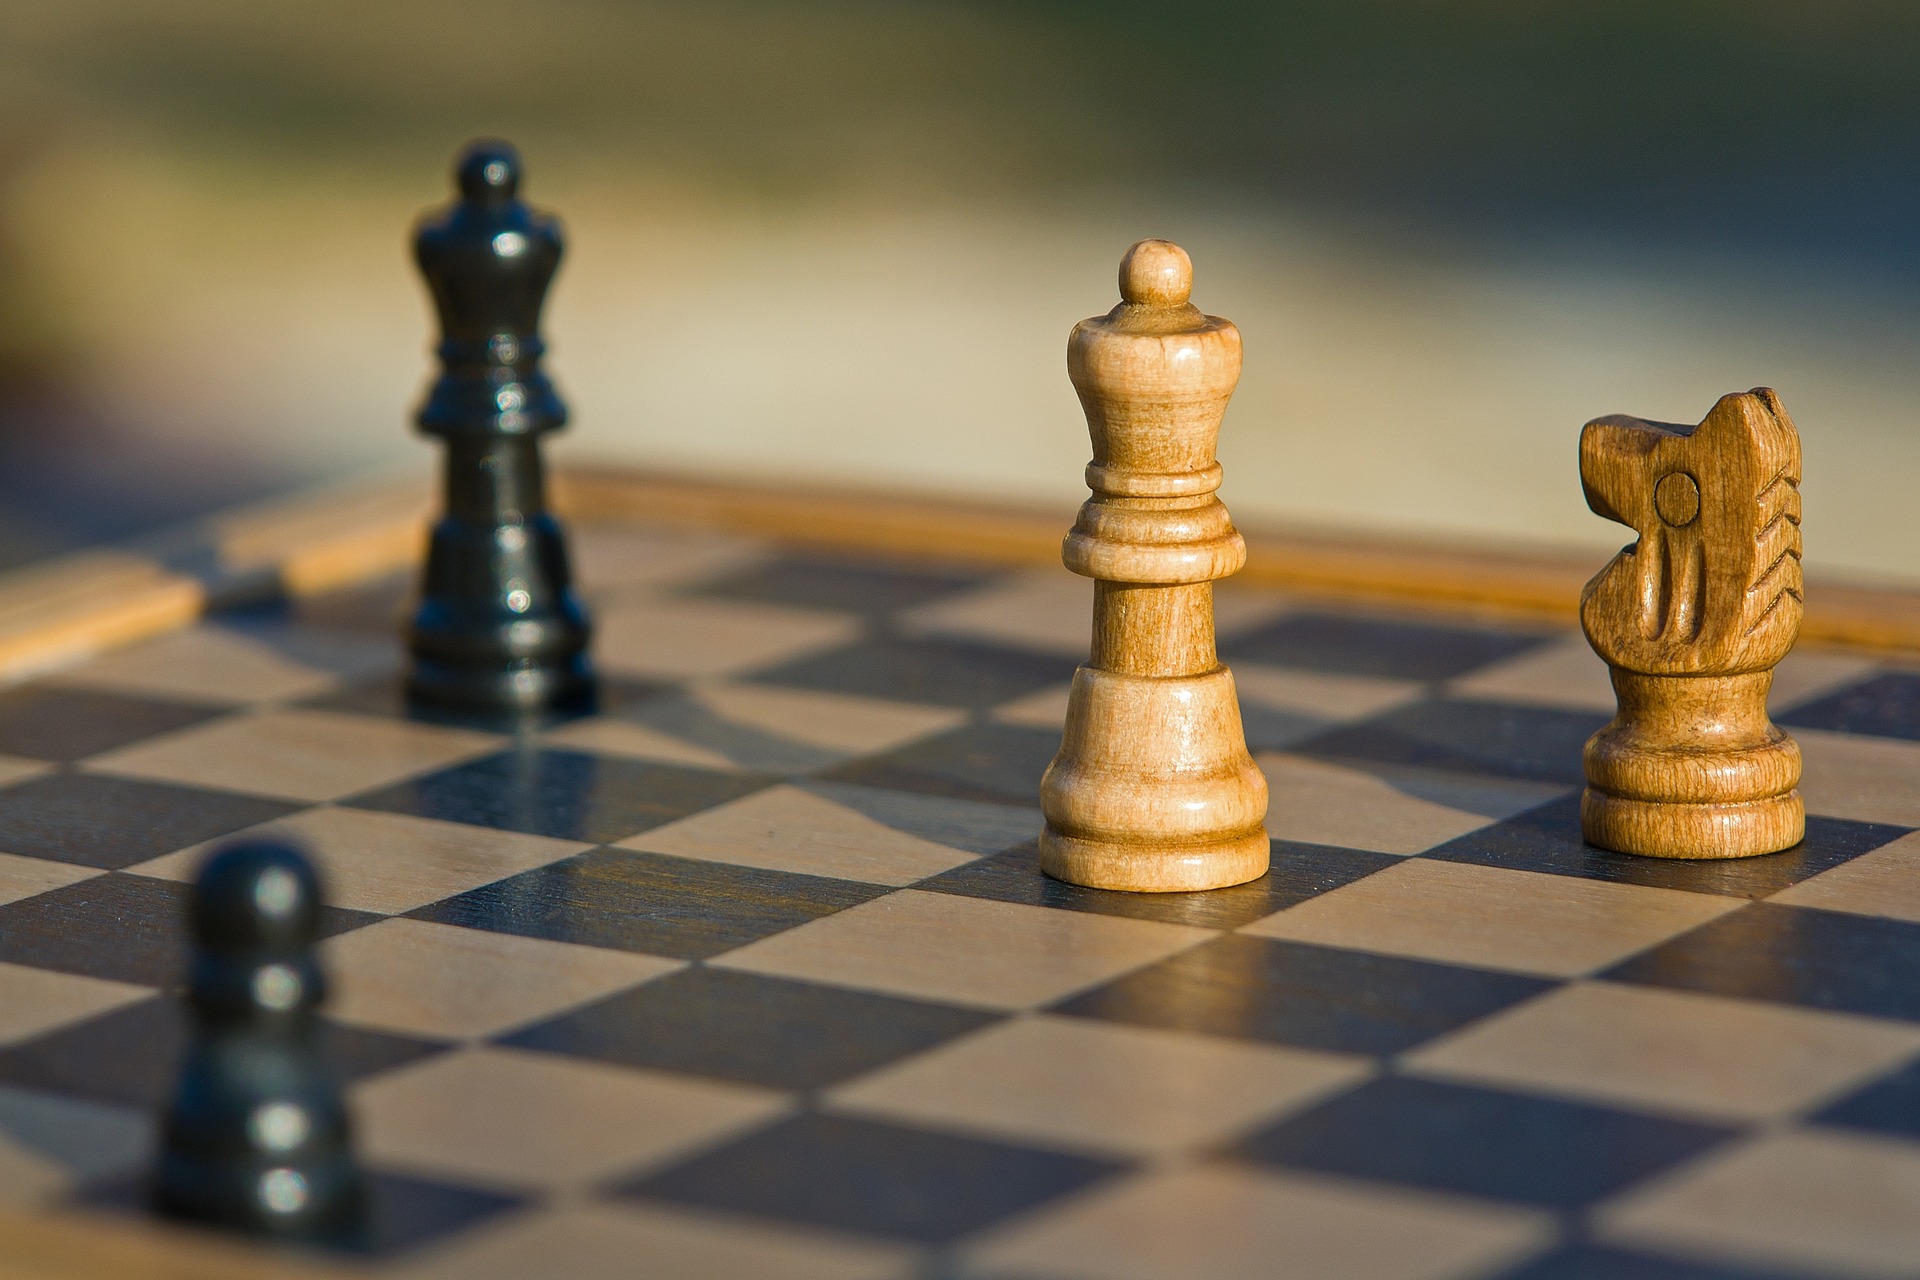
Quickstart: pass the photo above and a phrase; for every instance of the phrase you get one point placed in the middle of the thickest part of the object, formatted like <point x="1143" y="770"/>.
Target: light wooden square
<point x="202" y="664"/>
<point x="1322" y="695"/>
<point x="667" y="639"/>
<point x="1132" y="1091"/>
<point x="35" y="1001"/>
<point x="25" y="877"/>
<point x="1568" y="673"/>
<point x="617" y="736"/>
<point x="1387" y="810"/>
<point x="1229" y="1223"/>
<point x="1562" y="673"/>
<point x="419" y="978"/>
<point x="1047" y="610"/>
<point x="1807" y="674"/>
<point x="18" y="769"/>
<point x="1851" y="775"/>
<point x="521" y="1120"/>
<point x="1042" y="709"/>
<point x="971" y="951"/>
<point x="388" y="862"/>
<point x="786" y="829"/>
<point x="616" y="557"/>
<point x="831" y="721"/>
<point x="1672" y="1051"/>
<point x="1493" y="918"/>
<point x="1885" y="882"/>
<point x="295" y="754"/>
<point x="1819" y="1201"/>
<point x="829" y="724"/>
<point x="598" y="1241"/>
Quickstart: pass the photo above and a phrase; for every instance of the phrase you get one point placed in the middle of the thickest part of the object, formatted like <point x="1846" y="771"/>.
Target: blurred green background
<point x="843" y="242"/>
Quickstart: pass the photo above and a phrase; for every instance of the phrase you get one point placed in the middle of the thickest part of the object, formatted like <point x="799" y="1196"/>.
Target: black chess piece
<point x="498" y="625"/>
<point x="256" y="1136"/>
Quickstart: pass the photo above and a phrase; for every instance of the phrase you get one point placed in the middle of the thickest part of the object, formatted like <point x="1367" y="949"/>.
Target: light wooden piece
<point x="1153" y="790"/>
<point x="1692" y="619"/>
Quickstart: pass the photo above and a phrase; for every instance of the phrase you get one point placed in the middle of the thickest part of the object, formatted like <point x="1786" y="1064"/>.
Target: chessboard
<point x="748" y="970"/>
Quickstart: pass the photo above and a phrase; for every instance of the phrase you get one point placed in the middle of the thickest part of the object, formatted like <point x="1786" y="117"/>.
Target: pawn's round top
<point x="256" y="895"/>
<point x="1156" y="273"/>
<point x="489" y="171"/>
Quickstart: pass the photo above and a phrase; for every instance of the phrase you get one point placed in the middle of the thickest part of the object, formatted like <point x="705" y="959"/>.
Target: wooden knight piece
<point x="1153" y="789"/>
<point x="1692" y="618"/>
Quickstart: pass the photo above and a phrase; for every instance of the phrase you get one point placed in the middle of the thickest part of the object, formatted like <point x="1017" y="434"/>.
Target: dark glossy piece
<point x="498" y="624"/>
<point x="256" y="1135"/>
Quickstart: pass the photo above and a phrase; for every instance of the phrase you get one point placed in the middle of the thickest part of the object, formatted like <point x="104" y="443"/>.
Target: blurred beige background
<point x="844" y="242"/>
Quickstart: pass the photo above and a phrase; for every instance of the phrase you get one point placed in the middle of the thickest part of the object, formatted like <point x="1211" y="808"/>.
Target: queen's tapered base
<point x="1132" y="868"/>
<point x="1153" y="790"/>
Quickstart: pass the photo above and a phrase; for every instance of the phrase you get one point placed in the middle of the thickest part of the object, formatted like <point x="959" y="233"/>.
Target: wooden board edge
<point x="1366" y="570"/>
<point x="66" y="609"/>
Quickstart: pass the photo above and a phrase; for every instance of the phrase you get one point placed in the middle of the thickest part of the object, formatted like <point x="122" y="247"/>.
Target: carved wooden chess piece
<point x="1692" y="618"/>
<point x="1153" y="789"/>
<point x="498" y="624"/>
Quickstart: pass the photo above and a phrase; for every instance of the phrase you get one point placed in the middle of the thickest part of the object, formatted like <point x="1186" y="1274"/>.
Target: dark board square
<point x="648" y="902"/>
<point x="872" y="587"/>
<point x="49" y="722"/>
<point x="98" y="821"/>
<point x="1270" y="729"/>
<point x="1299" y="871"/>
<point x="972" y="825"/>
<point x="119" y="927"/>
<point x="569" y="795"/>
<point x="386" y="696"/>
<point x="1465" y="736"/>
<point x="1890" y="1104"/>
<point x="129" y="1055"/>
<point x="1792" y="955"/>
<point x="379" y="608"/>
<point x="873" y="1179"/>
<point x="758" y="1030"/>
<point x="1547" y="839"/>
<point x="1374" y="646"/>
<point x="405" y="1212"/>
<point x="1293" y="993"/>
<point x="995" y="762"/>
<point x="1596" y="1262"/>
<point x="945" y="673"/>
<point x="1480" y="1142"/>
<point x="1887" y="705"/>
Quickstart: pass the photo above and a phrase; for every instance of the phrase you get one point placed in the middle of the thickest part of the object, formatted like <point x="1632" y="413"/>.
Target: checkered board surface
<point x="750" y="973"/>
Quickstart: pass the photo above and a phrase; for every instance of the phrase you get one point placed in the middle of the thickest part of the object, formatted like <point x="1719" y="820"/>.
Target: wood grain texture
<point x="1153" y="789"/>
<point x="1692" y="618"/>
<point x="78" y="605"/>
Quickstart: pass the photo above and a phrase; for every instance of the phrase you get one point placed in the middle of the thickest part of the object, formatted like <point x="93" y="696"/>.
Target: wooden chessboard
<point x="750" y="973"/>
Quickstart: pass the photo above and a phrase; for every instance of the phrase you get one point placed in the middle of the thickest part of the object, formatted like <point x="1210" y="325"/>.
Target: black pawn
<point x="256" y="1136"/>
<point x="499" y="625"/>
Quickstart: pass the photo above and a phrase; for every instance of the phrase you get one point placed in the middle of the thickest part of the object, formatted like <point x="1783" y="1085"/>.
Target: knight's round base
<point x="1742" y="829"/>
<point x="522" y="688"/>
<point x="1095" y="864"/>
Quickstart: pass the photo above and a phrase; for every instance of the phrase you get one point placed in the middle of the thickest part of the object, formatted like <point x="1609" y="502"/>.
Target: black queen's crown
<point x="489" y="260"/>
